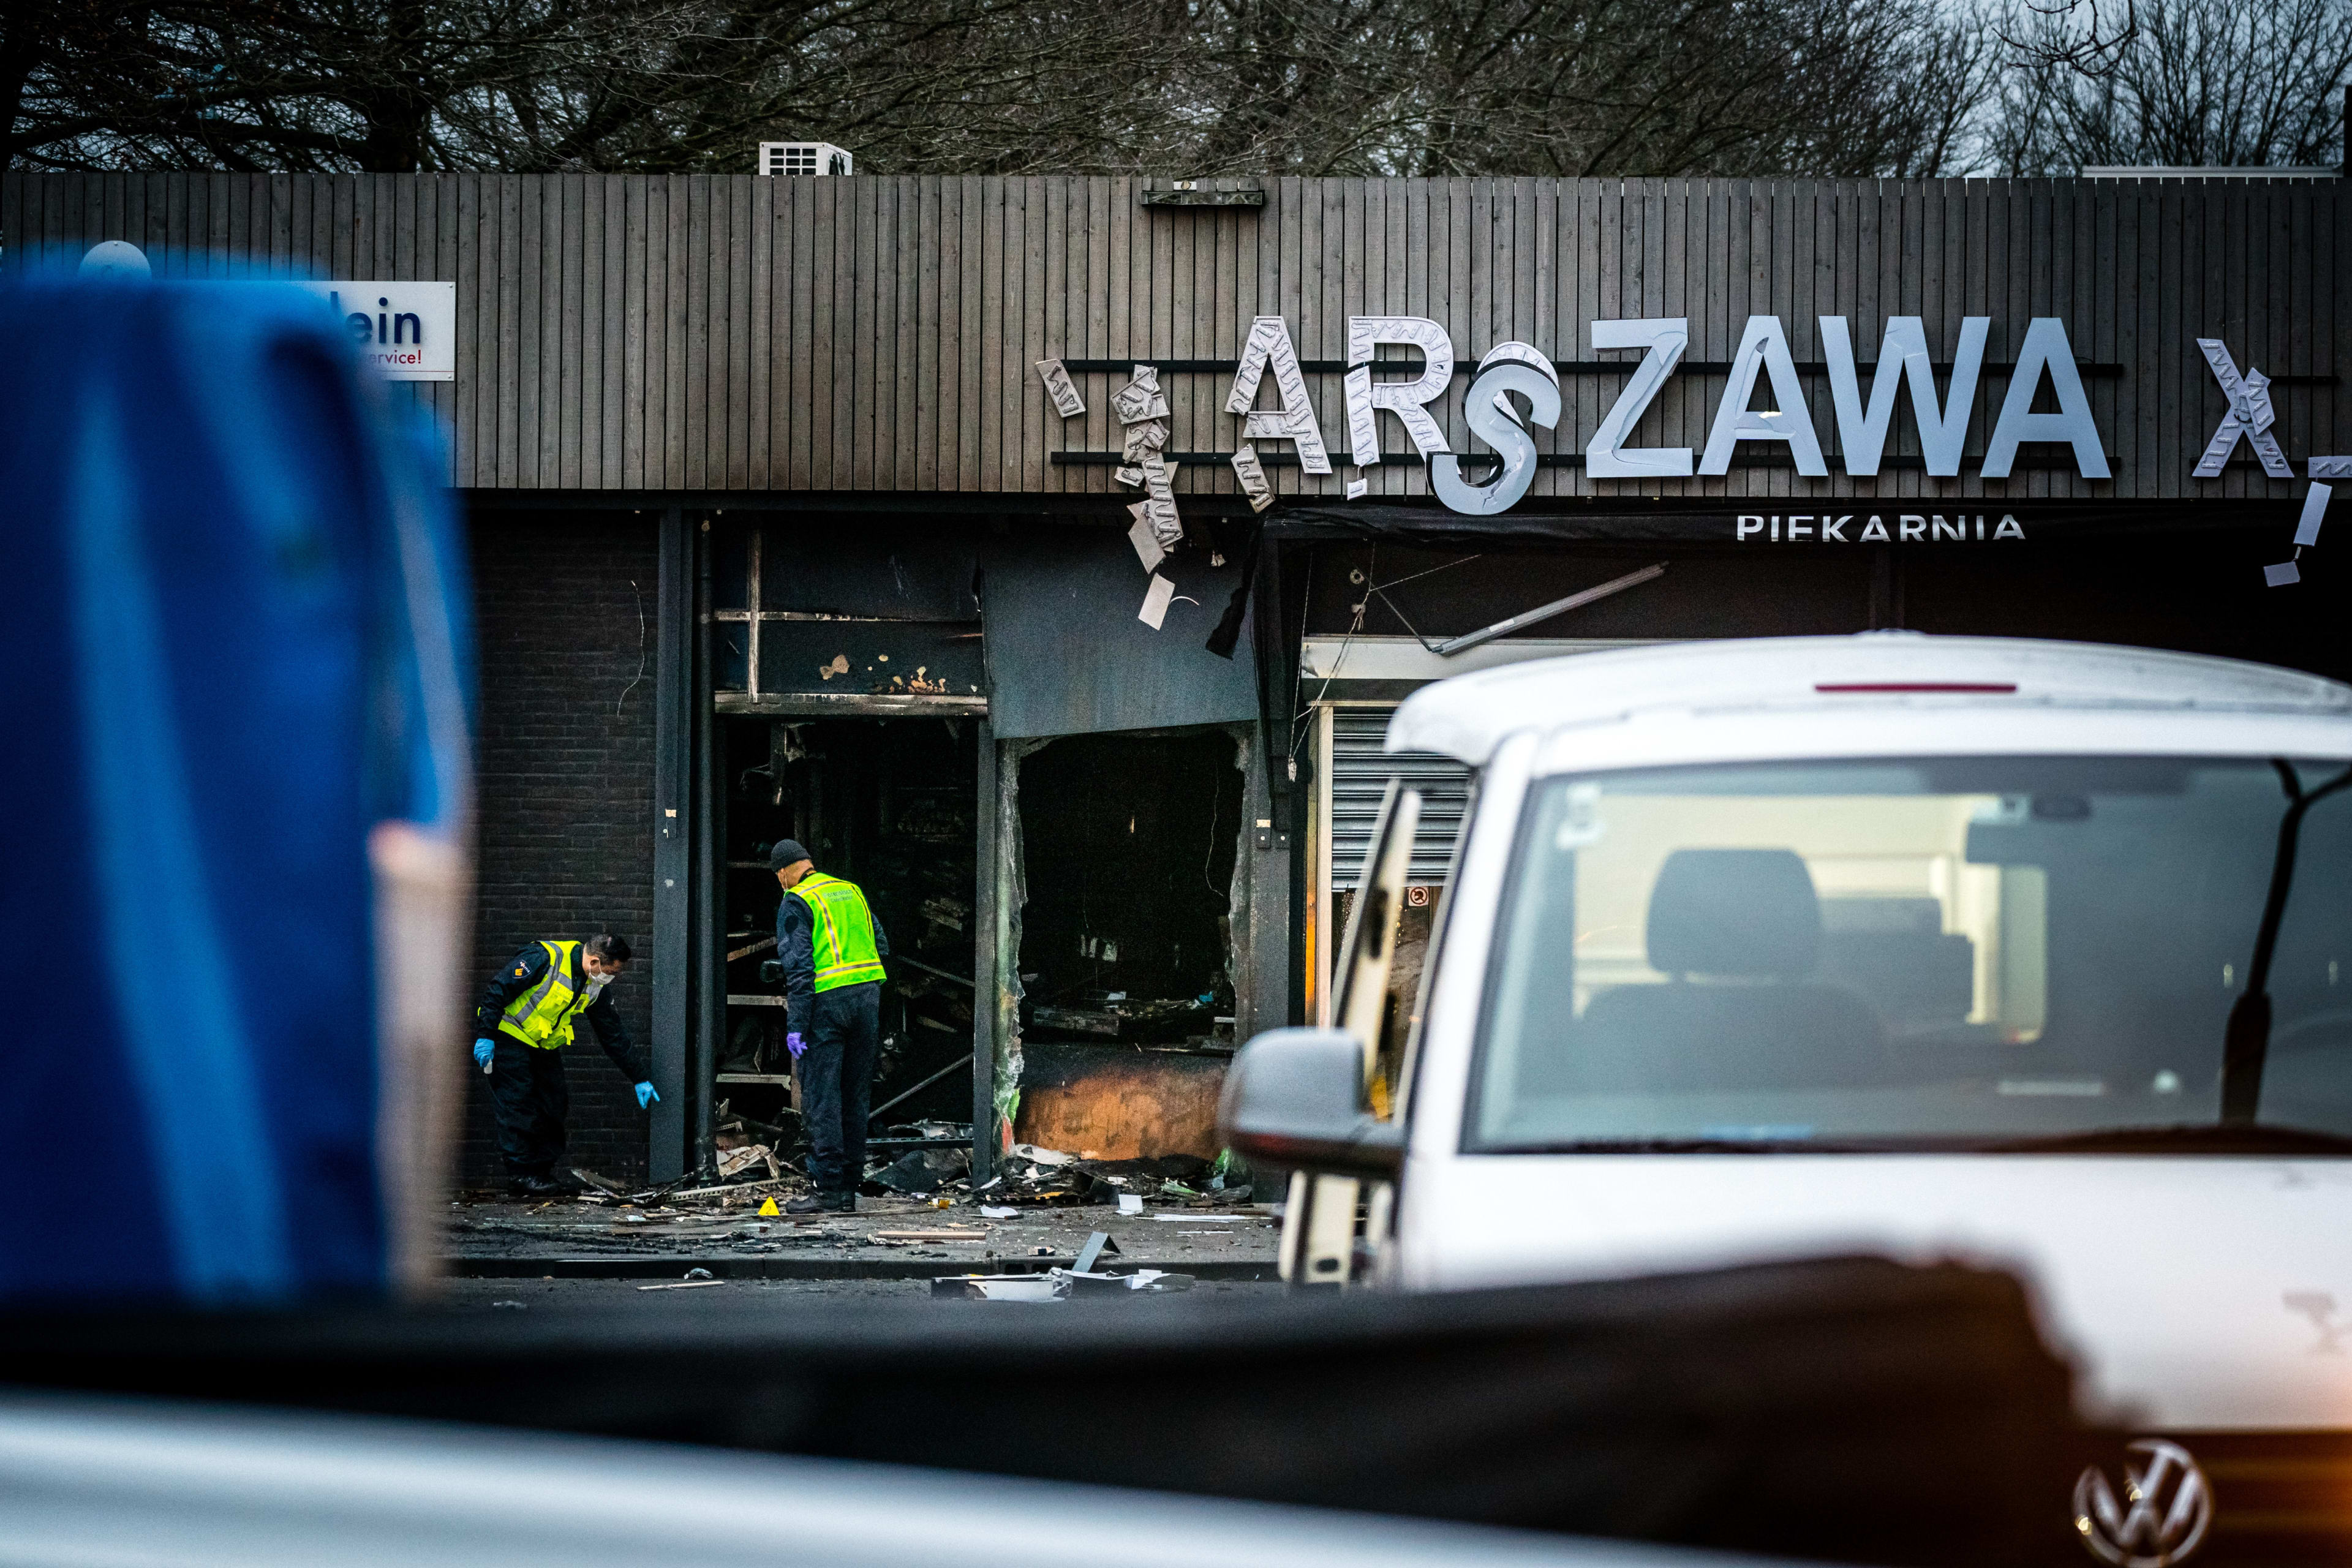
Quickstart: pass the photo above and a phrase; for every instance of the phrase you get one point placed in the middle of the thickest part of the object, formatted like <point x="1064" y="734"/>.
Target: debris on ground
<point x="1058" y="1285"/>
<point x="1069" y="1282"/>
<point x="750" y="1157"/>
<point x="996" y="1287"/>
<point x="1029" y="1174"/>
<point x="922" y="1172"/>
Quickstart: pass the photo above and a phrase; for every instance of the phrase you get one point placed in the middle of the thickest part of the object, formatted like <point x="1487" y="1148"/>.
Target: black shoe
<point x="536" y="1185"/>
<point x="823" y="1203"/>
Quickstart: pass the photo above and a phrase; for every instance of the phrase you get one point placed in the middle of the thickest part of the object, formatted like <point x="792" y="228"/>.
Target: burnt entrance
<point x="1127" y="950"/>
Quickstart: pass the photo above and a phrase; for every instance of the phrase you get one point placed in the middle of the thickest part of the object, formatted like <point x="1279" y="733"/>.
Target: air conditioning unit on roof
<point x="802" y="158"/>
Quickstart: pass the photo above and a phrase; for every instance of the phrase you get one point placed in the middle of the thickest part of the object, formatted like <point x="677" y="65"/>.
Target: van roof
<point x="1468" y="716"/>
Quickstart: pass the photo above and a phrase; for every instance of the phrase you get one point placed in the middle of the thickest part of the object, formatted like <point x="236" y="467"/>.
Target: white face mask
<point x="597" y="983"/>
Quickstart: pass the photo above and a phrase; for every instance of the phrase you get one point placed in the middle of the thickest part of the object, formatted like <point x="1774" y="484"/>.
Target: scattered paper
<point x="1154" y="611"/>
<point x="1202" y="1218"/>
<point x="1057" y="384"/>
<point x="1146" y="542"/>
<point x="998" y="1211"/>
<point x="1131" y="1203"/>
<point x="1251" y="474"/>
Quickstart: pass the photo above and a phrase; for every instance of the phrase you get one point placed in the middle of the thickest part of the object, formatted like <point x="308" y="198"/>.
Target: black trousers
<point x="533" y="1099"/>
<point x="837" y="1082"/>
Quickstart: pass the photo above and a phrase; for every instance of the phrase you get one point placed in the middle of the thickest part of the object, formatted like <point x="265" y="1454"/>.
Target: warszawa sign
<point x="1516" y="388"/>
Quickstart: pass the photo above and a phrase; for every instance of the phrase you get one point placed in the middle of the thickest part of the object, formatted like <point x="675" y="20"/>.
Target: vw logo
<point x="2160" y="1519"/>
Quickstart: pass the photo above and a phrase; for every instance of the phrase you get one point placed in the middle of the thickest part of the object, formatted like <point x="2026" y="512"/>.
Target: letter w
<point x="1903" y="355"/>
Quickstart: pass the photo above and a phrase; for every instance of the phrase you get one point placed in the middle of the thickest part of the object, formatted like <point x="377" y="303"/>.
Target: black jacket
<point x="796" y="949"/>
<point x="523" y="971"/>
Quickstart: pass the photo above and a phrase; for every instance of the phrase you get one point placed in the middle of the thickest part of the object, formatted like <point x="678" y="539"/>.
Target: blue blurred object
<point x="237" y="640"/>
<point x="485" y="1051"/>
<point x="646" y="1095"/>
<point x="794" y="1044"/>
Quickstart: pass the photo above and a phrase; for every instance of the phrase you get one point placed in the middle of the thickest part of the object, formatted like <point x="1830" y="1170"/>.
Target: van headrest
<point x="1744" y="913"/>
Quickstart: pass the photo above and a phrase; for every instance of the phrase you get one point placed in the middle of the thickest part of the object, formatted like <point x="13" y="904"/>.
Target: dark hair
<point x="608" y="949"/>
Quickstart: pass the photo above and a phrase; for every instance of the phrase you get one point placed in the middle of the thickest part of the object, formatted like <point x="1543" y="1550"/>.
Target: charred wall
<point x="565" y="782"/>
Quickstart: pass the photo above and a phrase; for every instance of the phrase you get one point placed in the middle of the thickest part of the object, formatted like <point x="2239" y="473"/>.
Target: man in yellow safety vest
<point x="525" y="1020"/>
<point x="830" y="947"/>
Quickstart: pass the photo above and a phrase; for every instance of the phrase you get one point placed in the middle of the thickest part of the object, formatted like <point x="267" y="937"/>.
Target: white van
<point x="2031" y="953"/>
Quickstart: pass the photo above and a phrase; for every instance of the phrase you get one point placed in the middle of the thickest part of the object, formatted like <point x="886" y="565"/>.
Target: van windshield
<point x="1937" y="953"/>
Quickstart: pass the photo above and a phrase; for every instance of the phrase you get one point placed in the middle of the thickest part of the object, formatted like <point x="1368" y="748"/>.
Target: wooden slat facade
<point x="733" y="334"/>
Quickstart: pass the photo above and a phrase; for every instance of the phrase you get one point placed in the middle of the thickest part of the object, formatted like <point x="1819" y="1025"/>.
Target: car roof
<point x="1468" y="716"/>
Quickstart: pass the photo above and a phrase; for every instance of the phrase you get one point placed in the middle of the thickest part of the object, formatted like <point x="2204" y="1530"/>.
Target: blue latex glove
<point x="646" y="1095"/>
<point x="794" y="1044"/>
<point x="483" y="1051"/>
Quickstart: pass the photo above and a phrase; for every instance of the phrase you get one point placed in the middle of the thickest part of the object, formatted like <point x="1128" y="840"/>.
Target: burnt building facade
<point x="1047" y="553"/>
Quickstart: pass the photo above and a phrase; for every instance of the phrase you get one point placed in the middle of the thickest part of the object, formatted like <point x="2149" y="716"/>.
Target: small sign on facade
<point x="408" y="331"/>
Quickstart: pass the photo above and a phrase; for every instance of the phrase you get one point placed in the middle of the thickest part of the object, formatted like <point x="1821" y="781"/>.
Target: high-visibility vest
<point x="840" y="931"/>
<point x="542" y="1016"/>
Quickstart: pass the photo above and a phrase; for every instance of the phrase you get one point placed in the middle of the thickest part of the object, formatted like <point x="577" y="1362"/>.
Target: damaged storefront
<point x="1044" y="800"/>
<point x="1046" y="554"/>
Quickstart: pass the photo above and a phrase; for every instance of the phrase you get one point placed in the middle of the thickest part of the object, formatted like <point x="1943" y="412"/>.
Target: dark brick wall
<point x="565" y="775"/>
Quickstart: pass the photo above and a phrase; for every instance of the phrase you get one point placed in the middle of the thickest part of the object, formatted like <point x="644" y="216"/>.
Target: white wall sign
<point x="408" y="331"/>
<point x="2044" y="357"/>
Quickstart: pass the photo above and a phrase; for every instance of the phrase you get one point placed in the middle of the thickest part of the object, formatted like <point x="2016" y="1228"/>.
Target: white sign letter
<point x="1269" y="346"/>
<point x="2251" y="415"/>
<point x="1942" y="431"/>
<point x="1606" y="456"/>
<point x="1763" y="346"/>
<point x="1402" y="399"/>
<point x="2046" y="348"/>
<point x="1492" y="418"/>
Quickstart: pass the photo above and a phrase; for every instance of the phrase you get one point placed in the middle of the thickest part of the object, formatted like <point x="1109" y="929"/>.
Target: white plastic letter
<point x="1606" y="456"/>
<point x="2046" y="350"/>
<point x="1404" y="399"/>
<point x="1765" y="347"/>
<point x="1494" y="421"/>
<point x="1269" y="347"/>
<point x="1942" y="429"/>
<point x="1748" y="525"/>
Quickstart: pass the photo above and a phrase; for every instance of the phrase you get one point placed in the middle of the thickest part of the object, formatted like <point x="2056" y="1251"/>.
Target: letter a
<point x="1763" y="347"/>
<point x="2045" y="349"/>
<point x="1269" y="347"/>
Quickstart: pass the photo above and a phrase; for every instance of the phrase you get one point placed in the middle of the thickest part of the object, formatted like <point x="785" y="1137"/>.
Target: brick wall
<point x="566" y="780"/>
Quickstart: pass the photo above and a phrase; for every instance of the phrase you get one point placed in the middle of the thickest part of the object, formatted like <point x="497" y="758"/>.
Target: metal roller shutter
<point x="1360" y="771"/>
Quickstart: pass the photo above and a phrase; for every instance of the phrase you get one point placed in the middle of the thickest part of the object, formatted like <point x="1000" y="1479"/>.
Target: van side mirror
<point x="1296" y="1097"/>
